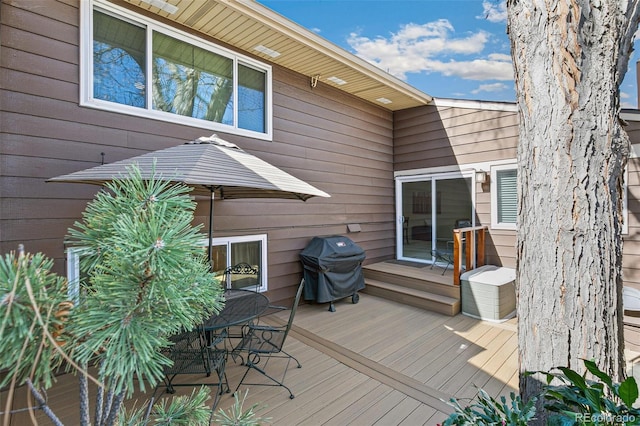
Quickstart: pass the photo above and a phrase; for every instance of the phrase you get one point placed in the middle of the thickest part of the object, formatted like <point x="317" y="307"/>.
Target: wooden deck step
<point x="420" y="277"/>
<point x="409" y="296"/>
<point x="413" y="284"/>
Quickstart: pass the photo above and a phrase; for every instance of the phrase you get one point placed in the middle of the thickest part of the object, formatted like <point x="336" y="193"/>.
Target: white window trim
<point x="625" y="202"/>
<point x="73" y="262"/>
<point x="86" y="72"/>
<point x="73" y="274"/>
<point x="247" y="238"/>
<point x="494" y="196"/>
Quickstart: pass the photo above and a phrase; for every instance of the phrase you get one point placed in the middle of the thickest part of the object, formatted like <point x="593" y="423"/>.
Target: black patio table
<point x="241" y="306"/>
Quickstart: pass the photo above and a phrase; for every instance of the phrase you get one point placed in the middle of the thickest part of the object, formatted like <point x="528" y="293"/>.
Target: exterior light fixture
<point x="384" y="100"/>
<point x="482" y="176"/>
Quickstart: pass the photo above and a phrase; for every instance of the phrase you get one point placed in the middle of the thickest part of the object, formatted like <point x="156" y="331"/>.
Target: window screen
<point x="507" y="196"/>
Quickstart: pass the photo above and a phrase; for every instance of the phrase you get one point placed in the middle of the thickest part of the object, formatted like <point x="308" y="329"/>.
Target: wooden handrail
<point x="468" y="235"/>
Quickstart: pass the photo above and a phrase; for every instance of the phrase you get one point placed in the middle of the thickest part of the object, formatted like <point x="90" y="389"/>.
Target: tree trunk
<point x="570" y="57"/>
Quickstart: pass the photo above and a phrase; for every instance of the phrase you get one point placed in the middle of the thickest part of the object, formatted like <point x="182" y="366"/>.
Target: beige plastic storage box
<point x="489" y="293"/>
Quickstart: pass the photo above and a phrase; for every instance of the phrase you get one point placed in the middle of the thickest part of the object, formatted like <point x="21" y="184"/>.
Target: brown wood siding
<point x="433" y="136"/>
<point x="334" y="141"/>
<point x="342" y="145"/>
<point x="447" y="136"/>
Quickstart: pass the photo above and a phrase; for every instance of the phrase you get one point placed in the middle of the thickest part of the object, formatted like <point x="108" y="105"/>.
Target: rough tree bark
<point x="570" y="57"/>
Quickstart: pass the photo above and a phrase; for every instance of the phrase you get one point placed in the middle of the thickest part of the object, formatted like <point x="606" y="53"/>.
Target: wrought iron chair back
<point x="245" y="277"/>
<point x="462" y="223"/>
<point x="242" y="275"/>
<point x="191" y="354"/>
<point x="265" y="342"/>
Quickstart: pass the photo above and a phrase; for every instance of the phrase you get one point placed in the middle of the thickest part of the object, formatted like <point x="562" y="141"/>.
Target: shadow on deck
<point x="375" y="361"/>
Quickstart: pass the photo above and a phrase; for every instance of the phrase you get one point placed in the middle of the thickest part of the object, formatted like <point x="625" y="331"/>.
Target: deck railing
<point x="469" y="235"/>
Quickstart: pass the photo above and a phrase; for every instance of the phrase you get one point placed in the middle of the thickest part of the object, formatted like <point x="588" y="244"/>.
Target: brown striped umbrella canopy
<point x="212" y="166"/>
<point x="207" y="164"/>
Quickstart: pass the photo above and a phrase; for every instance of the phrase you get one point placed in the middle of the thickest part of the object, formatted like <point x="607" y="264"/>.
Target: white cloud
<point x="438" y="28"/>
<point x="493" y="87"/>
<point x="433" y="47"/>
<point x="628" y="100"/>
<point x="499" y="57"/>
<point x="494" y="11"/>
<point x="477" y="69"/>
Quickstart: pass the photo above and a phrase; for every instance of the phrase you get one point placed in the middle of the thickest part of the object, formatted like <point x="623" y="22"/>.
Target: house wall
<point x="336" y="142"/>
<point x="458" y="138"/>
<point x="430" y="138"/>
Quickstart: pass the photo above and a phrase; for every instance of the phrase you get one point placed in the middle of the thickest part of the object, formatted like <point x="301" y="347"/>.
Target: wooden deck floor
<point x="375" y="362"/>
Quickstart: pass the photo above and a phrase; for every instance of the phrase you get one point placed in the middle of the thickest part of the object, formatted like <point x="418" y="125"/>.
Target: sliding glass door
<point x="429" y="208"/>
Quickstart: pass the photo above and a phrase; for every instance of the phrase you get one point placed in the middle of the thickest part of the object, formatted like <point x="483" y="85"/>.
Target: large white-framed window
<point x="134" y="65"/>
<point x="247" y="249"/>
<point x="504" y="196"/>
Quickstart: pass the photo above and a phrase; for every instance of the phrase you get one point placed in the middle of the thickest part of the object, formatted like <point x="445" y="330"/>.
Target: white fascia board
<point x="470" y="104"/>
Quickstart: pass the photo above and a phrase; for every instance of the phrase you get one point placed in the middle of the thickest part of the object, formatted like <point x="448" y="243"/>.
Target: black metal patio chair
<point x="264" y="343"/>
<point x="192" y="354"/>
<point x="241" y="276"/>
<point x="445" y="255"/>
<point x="246" y="277"/>
<point x="442" y="256"/>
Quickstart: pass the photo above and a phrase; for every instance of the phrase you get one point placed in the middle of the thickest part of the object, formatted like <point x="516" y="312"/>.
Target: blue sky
<point x="446" y="48"/>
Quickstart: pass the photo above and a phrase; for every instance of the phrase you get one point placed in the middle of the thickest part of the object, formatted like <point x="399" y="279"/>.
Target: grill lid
<point x="333" y="248"/>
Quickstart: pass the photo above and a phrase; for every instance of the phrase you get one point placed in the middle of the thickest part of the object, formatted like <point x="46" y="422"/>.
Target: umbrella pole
<point x="210" y="252"/>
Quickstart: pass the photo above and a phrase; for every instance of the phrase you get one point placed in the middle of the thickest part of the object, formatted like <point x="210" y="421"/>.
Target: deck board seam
<point x="394" y="379"/>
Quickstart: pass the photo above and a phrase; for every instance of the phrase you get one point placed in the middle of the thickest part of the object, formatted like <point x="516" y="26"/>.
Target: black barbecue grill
<point x="332" y="269"/>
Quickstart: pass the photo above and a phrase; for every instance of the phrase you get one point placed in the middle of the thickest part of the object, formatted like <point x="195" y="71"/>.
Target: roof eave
<point x="280" y="23"/>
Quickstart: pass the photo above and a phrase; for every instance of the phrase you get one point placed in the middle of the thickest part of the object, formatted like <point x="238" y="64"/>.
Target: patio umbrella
<point x="212" y="166"/>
